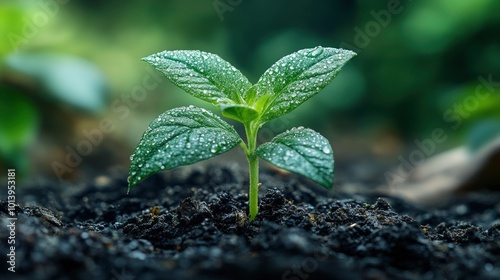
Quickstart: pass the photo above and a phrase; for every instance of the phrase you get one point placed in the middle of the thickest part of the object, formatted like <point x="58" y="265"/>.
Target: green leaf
<point x="251" y="94"/>
<point x="299" y="76"/>
<point x="178" y="137"/>
<point x="240" y="112"/>
<point x="303" y="151"/>
<point x="204" y="75"/>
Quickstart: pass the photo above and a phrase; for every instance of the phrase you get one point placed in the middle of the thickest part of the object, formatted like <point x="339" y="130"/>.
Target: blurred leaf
<point x="68" y="79"/>
<point x="10" y="27"/>
<point x="18" y="120"/>
<point x="18" y="125"/>
<point x="433" y="26"/>
<point x="482" y="133"/>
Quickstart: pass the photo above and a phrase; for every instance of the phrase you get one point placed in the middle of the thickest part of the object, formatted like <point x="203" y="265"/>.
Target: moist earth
<point x="191" y="223"/>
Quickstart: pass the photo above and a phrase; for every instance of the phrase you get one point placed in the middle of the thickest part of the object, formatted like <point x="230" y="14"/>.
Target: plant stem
<point x="253" y="165"/>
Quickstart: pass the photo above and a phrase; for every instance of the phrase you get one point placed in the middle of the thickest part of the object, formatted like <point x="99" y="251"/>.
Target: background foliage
<point x="412" y="66"/>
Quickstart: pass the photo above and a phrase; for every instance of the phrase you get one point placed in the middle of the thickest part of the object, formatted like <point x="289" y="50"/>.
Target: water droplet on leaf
<point x="316" y="52"/>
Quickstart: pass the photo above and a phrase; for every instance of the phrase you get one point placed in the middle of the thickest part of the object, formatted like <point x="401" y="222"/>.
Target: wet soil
<point x="191" y="223"/>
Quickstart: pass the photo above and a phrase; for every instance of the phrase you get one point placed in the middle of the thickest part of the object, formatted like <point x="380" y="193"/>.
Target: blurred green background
<point x="75" y="97"/>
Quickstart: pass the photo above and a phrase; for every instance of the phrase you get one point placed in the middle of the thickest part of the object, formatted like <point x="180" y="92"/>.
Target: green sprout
<point x="186" y="135"/>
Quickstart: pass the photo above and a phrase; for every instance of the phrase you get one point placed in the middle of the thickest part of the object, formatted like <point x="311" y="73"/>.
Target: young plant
<point x="187" y="135"/>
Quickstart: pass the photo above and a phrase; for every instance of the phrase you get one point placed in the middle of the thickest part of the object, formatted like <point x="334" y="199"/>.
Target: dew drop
<point x="326" y="150"/>
<point x="316" y="51"/>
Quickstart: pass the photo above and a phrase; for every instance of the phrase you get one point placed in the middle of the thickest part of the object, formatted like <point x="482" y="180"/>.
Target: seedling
<point x="187" y="135"/>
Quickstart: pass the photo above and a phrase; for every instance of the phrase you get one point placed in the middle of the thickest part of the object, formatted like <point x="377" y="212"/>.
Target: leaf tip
<point x="349" y="53"/>
<point x="329" y="186"/>
<point x="151" y="59"/>
<point x="130" y="186"/>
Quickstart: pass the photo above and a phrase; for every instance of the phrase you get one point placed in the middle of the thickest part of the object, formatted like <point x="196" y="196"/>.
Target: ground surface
<point x="191" y="223"/>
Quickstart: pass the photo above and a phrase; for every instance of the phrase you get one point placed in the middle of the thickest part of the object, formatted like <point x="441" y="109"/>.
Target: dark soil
<point x="191" y="223"/>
